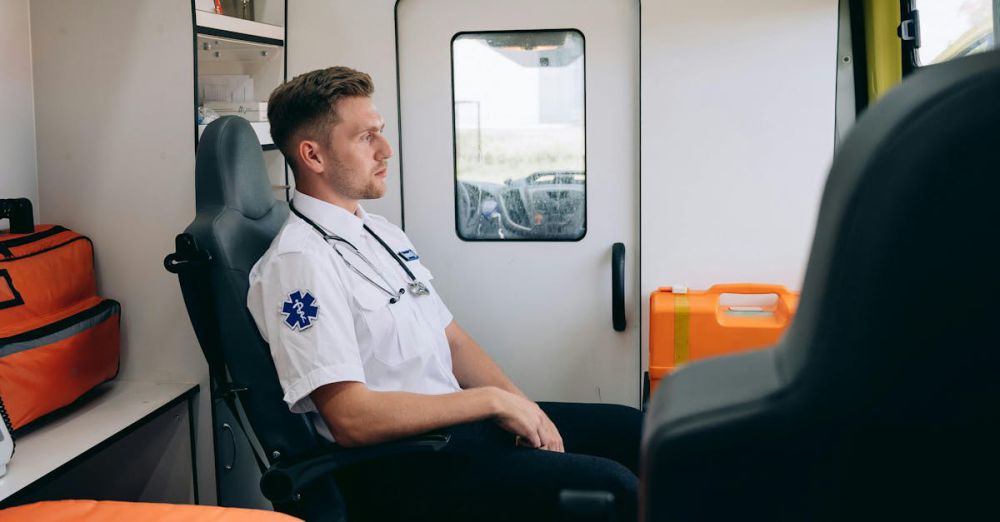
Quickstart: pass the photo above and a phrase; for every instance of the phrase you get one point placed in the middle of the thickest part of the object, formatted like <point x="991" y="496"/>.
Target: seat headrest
<point x="230" y="171"/>
<point x="906" y="218"/>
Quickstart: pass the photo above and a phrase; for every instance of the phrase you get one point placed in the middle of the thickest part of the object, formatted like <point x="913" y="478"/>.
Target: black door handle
<point x="618" y="287"/>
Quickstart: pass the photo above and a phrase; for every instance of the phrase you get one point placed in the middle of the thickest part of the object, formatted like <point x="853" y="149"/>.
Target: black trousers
<point x="482" y="476"/>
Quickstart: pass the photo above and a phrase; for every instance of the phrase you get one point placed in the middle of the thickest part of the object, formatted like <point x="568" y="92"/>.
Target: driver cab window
<point x="953" y="28"/>
<point x="519" y="129"/>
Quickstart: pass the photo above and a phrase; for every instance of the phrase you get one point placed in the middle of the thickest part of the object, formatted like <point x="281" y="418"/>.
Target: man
<point x="364" y="345"/>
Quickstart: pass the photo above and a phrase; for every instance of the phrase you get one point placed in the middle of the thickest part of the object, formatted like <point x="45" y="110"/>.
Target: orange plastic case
<point x="688" y="325"/>
<point x="111" y="511"/>
<point x="58" y="338"/>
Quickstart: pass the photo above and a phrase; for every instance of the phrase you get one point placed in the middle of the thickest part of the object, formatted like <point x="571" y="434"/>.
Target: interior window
<point x="953" y="28"/>
<point x="520" y="160"/>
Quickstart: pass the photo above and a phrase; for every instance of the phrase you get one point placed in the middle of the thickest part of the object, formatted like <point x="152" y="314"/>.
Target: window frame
<point x="454" y="137"/>
<point x="909" y="13"/>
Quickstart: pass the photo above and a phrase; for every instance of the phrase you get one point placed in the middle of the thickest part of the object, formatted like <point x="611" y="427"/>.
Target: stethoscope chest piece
<point x="418" y="288"/>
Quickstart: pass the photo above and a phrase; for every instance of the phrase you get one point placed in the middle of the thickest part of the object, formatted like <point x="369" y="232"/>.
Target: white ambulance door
<point x="537" y="104"/>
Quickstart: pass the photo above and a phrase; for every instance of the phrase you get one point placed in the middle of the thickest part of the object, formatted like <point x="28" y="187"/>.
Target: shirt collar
<point x="335" y="219"/>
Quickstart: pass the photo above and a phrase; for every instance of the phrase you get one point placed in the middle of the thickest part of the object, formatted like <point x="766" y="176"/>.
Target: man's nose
<point x="384" y="150"/>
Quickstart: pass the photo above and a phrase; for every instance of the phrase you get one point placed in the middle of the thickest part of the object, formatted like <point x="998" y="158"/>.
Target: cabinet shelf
<point x="220" y="49"/>
<point x="230" y="27"/>
<point x="240" y="61"/>
<point x="94" y="422"/>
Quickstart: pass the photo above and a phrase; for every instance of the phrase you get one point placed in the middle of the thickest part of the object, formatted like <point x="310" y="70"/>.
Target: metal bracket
<point x="909" y="29"/>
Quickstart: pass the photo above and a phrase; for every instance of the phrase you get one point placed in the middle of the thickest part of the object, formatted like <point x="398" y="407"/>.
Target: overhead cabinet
<point x="239" y="62"/>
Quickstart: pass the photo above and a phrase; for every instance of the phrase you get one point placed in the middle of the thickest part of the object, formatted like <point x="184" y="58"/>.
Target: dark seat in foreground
<point x="882" y="401"/>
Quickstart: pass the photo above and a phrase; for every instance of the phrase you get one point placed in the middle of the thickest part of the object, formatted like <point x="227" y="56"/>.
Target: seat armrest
<point x="287" y="477"/>
<point x="706" y="428"/>
<point x="586" y="506"/>
<point x="705" y="390"/>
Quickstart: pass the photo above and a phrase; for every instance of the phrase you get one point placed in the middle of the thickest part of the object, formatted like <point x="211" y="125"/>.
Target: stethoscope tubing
<point x="392" y="295"/>
<point x="328" y="237"/>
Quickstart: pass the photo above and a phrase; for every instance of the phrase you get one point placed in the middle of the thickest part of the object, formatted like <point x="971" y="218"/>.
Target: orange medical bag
<point x="687" y="325"/>
<point x="58" y="338"/>
<point x="113" y="511"/>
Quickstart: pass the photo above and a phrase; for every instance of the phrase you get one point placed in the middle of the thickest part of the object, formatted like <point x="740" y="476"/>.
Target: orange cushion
<point x="107" y="511"/>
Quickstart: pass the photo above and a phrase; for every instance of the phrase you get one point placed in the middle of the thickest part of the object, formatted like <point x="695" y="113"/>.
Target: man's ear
<point x="310" y="156"/>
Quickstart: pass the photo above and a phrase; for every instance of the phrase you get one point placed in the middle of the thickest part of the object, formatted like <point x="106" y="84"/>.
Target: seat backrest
<point x="881" y="400"/>
<point x="237" y="218"/>
<point x="895" y="322"/>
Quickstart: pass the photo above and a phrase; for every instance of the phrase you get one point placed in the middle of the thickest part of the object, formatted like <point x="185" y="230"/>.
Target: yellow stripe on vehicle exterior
<point x="883" y="49"/>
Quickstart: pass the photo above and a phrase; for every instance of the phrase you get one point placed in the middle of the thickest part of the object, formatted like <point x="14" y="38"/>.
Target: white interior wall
<point x="360" y="35"/>
<point x="114" y="109"/>
<point x="18" y="175"/>
<point x="738" y="104"/>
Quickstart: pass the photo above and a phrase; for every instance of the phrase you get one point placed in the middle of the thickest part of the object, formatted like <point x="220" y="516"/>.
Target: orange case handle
<point x="748" y="288"/>
<point x="751" y="288"/>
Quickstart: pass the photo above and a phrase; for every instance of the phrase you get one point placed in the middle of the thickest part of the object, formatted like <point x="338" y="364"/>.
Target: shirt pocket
<point x="381" y="333"/>
<point x="420" y="272"/>
<point x="432" y="309"/>
<point x="373" y="324"/>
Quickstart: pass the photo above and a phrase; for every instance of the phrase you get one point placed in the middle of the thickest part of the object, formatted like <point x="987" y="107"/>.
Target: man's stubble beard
<point x="372" y="188"/>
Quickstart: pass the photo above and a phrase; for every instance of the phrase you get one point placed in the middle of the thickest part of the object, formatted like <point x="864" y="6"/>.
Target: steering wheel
<point x="466" y="210"/>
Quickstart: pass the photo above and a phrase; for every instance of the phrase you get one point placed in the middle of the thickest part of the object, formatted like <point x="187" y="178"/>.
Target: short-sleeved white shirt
<point x="325" y="323"/>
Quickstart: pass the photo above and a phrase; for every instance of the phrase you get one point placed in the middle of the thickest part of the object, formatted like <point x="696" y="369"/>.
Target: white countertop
<point x="112" y="408"/>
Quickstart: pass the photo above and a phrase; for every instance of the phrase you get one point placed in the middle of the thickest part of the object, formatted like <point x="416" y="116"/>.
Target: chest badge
<point x="300" y="310"/>
<point x="409" y="255"/>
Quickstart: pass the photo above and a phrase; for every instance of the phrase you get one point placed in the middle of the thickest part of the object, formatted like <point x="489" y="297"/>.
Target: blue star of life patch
<point x="300" y="310"/>
<point x="409" y="255"/>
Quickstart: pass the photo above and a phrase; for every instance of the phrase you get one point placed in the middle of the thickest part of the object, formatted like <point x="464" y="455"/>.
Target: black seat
<point x="237" y="217"/>
<point x="882" y="400"/>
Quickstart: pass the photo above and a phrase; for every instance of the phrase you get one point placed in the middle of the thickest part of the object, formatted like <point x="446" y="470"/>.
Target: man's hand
<point x="527" y="421"/>
<point x="511" y="410"/>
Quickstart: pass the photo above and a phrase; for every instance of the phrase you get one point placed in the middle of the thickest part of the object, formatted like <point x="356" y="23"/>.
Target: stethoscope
<point x="336" y="242"/>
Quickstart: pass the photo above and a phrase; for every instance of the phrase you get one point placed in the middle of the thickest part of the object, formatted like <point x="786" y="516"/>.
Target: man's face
<point x="358" y="150"/>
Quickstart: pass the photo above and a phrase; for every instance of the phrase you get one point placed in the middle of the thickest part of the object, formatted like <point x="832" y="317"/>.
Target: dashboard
<point x="541" y="206"/>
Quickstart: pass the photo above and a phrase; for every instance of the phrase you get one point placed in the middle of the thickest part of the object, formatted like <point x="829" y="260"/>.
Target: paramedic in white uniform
<point x="363" y="343"/>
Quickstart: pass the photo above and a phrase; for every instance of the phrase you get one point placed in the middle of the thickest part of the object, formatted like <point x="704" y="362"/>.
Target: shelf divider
<point x="239" y="29"/>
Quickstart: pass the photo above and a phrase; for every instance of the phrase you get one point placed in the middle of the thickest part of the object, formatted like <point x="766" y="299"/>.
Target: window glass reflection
<point x="520" y="164"/>
<point x="953" y="28"/>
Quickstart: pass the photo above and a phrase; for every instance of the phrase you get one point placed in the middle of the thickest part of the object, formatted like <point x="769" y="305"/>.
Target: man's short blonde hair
<point x="306" y="106"/>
